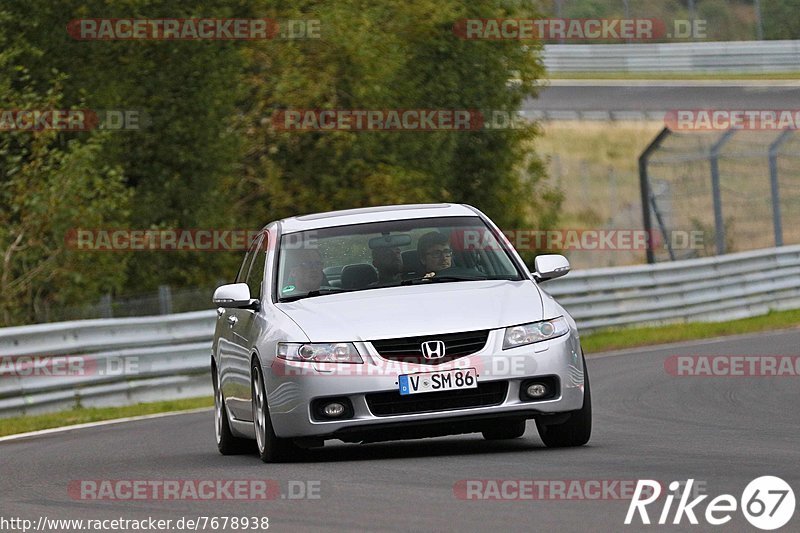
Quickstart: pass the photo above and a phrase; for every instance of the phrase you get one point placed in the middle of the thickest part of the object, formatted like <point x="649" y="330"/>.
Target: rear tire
<point x="511" y="429"/>
<point x="577" y="429"/>
<point x="227" y="443"/>
<point x="271" y="448"/>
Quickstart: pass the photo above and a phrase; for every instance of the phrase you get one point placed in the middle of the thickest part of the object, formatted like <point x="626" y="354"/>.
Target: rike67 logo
<point x="767" y="503"/>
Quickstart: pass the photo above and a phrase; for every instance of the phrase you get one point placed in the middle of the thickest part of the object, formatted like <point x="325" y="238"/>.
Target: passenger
<point x="434" y="252"/>
<point x="389" y="263"/>
<point x="304" y="270"/>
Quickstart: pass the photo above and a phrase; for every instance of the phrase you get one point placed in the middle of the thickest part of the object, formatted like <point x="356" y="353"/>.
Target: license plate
<point x="463" y="378"/>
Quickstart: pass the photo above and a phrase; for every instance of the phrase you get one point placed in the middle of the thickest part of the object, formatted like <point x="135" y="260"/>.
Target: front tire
<point x="577" y="429"/>
<point x="227" y="443"/>
<point x="271" y="448"/>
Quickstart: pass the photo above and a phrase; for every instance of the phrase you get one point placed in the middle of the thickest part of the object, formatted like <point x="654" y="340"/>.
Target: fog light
<point x="333" y="410"/>
<point x="536" y="390"/>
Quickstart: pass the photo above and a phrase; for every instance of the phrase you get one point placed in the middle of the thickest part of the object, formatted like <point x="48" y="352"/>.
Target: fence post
<point x="106" y="311"/>
<point x="773" y="179"/>
<point x="719" y="222"/>
<point x="644" y="185"/>
<point x="165" y="299"/>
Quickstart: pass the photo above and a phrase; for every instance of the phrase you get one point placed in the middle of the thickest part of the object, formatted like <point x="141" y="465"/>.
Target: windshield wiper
<point x="318" y="292"/>
<point x="441" y="279"/>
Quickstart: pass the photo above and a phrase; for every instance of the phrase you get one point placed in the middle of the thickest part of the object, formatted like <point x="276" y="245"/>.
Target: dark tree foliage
<point x="207" y="155"/>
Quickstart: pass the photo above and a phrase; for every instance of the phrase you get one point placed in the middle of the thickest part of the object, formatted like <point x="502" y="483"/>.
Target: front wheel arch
<point x="271" y="448"/>
<point x="227" y="442"/>
<point x="576" y="430"/>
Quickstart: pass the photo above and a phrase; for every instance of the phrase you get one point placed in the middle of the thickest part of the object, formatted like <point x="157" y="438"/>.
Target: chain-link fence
<point x="735" y="190"/>
<point x="597" y="197"/>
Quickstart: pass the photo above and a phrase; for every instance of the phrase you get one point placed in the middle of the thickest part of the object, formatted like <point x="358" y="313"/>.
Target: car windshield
<point x="386" y="254"/>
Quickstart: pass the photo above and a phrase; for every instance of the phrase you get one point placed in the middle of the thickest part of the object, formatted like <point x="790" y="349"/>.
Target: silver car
<point x="390" y="323"/>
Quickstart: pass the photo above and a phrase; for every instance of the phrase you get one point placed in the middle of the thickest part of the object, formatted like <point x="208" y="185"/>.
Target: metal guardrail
<point x="171" y="352"/>
<point x="733" y="56"/>
<point x="105" y="362"/>
<point x="695" y="290"/>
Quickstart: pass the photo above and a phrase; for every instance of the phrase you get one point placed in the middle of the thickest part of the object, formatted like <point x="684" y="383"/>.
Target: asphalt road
<point x="610" y="96"/>
<point x="721" y="431"/>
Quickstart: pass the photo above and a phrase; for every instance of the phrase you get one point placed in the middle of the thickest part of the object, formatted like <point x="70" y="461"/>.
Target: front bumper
<point x="292" y="386"/>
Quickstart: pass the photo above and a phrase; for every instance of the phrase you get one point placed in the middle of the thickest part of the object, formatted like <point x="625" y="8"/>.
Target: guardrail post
<point x="106" y="311"/>
<point x="164" y="299"/>
<point x="759" y="21"/>
<point x="644" y="185"/>
<point x="719" y="222"/>
<point x="773" y="179"/>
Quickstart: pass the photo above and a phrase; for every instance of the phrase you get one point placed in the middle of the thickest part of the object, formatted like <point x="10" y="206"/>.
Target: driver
<point x="434" y="252"/>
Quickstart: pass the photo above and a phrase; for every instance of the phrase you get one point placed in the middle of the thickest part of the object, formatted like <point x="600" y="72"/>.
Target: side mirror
<point x="234" y="296"/>
<point x="550" y="266"/>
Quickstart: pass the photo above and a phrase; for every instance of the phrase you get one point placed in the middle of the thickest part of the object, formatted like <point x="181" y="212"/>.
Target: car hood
<point x="416" y="310"/>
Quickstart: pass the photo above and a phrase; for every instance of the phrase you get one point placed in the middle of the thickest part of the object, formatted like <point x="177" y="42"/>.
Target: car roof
<point x="373" y="214"/>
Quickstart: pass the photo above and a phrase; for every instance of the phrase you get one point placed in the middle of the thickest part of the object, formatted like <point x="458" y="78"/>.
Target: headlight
<point x="535" y="332"/>
<point x="329" y="352"/>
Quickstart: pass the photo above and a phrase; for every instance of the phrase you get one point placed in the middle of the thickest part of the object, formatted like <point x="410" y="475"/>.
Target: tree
<point x="780" y="19"/>
<point x="208" y="156"/>
<point x="176" y="164"/>
<point x="393" y="55"/>
<point x="49" y="182"/>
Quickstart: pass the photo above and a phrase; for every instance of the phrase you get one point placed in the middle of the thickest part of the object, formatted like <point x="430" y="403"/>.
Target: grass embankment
<point x="83" y="415"/>
<point x="635" y="337"/>
<point x="595" y="163"/>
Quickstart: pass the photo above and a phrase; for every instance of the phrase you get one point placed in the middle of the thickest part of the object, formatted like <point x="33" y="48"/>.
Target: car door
<point x="228" y="360"/>
<point x="243" y="327"/>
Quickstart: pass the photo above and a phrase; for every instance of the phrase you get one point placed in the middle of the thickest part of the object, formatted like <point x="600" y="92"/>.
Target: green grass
<point x="592" y="343"/>
<point x="660" y="75"/>
<point x="633" y="337"/>
<point x="22" y="424"/>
